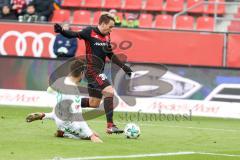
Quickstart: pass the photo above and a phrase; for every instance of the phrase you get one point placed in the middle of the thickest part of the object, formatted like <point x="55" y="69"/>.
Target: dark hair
<point x="76" y="68"/>
<point x="105" y="18"/>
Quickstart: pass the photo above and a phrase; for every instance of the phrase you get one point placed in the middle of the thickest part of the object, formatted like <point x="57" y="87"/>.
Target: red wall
<point x="233" y="52"/>
<point x="172" y="47"/>
<point x="158" y="46"/>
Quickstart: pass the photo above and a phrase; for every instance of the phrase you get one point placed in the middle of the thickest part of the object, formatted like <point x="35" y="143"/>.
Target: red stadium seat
<point x="92" y="4"/>
<point x="205" y="23"/>
<point x="211" y="7"/>
<point x="174" y="5"/>
<point x="71" y="3"/>
<point x="237" y="15"/>
<point x="234" y="26"/>
<point x="164" y="21"/>
<point x="96" y="16"/>
<point x="133" y="5"/>
<point x="60" y="15"/>
<point x="154" y="5"/>
<point x="145" y="20"/>
<point x="185" y="22"/>
<point x="81" y="17"/>
<point x="199" y="6"/>
<point x="112" y="4"/>
<point x="120" y="15"/>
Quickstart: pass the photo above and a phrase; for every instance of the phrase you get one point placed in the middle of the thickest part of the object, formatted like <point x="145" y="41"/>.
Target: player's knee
<point x="94" y="103"/>
<point x="108" y="92"/>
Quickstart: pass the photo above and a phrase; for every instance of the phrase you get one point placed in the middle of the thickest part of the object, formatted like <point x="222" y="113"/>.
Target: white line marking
<point x="213" y="129"/>
<point x="148" y="155"/>
<point x="128" y="156"/>
<point x="218" y="154"/>
<point x="174" y="126"/>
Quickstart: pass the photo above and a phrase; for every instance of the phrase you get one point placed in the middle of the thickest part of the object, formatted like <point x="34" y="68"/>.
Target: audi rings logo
<point x="21" y="43"/>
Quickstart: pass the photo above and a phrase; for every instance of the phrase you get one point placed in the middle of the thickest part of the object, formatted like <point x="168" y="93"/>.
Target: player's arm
<point x="71" y="34"/>
<point x="118" y="62"/>
<point x="66" y="33"/>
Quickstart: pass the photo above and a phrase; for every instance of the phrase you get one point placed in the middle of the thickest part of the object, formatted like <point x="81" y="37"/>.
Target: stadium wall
<point x="233" y="53"/>
<point x="153" y="46"/>
<point x="156" y="106"/>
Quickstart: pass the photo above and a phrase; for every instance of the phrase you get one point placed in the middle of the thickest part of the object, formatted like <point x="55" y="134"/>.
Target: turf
<point x="27" y="141"/>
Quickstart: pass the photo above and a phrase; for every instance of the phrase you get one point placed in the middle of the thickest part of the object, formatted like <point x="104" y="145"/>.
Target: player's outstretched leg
<point x="35" y="116"/>
<point x="94" y="137"/>
<point x="108" y="107"/>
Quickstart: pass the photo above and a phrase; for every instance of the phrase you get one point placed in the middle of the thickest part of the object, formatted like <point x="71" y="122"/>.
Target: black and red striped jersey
<point x="98" y="47"/>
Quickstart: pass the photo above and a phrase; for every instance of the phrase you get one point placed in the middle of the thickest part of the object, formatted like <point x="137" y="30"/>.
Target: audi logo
<point x="21" y="43"/>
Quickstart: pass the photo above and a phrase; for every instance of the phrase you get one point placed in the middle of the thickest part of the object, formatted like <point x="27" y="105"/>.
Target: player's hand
<point x="57" y="28"/>
<point x="95" y="139"/>
<point x="127" y="70"/>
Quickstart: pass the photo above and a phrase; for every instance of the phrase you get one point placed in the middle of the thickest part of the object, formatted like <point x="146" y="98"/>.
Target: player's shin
<point x="108" y="107"/>
<point x="48" y="116"/>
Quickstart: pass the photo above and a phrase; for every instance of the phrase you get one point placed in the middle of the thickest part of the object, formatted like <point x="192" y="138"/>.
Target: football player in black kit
<point x="98" y="47"/>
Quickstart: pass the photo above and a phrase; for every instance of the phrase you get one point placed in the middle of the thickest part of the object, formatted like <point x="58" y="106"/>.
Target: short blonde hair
<point x="105" y="18"/>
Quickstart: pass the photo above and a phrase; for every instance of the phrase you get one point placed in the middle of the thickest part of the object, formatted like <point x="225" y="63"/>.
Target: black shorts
<point x="96" y="85"/>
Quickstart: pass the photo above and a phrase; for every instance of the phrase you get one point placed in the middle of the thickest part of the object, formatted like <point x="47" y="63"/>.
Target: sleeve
<point x="112" y="56"/>
<point x="118" y="62"/>
<point x="115" y="59"/>
<point x="70" y="34"/>
<point x="83" y="34"/>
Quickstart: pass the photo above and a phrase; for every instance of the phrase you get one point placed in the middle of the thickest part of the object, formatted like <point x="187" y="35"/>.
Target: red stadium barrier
<point x="172" y="47"/>
<point x="233" y="56"/>
<point x="26" y="39"/>
<point x="157" y="46"/>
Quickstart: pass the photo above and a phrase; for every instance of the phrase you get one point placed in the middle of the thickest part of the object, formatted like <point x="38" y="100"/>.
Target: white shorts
<point x="77" y="129"/>
<point x="74" y="129"/>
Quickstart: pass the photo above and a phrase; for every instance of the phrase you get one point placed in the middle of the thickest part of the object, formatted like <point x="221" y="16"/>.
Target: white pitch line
<point x="218" y="154"/>
<point x="213" y="129"/>
<point x="175" y="126"/>
<point x="148" y="155"/>
<point x="127" y="156"/>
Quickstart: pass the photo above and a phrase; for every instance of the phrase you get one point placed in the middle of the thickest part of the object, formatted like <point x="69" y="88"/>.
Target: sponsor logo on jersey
<point x="100" y="44"/>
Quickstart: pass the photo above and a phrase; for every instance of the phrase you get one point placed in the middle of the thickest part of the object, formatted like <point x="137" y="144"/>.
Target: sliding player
<point x="66" y="128"/>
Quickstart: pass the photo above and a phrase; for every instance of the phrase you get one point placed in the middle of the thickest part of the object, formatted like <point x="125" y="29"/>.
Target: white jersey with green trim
<point x="71" y="129"/>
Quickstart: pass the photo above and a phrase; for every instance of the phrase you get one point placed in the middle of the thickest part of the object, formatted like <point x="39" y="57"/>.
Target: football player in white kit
<point x="67" y="128"/>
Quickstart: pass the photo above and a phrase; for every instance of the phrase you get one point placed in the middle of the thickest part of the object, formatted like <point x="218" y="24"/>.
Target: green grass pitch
<point x="217" y="139"/>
